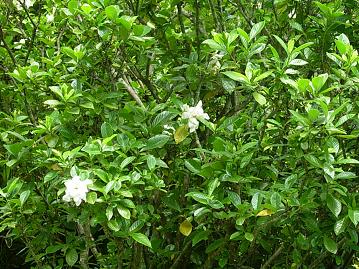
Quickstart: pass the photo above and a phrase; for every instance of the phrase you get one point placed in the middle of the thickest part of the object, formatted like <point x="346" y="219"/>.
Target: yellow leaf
<point x="185" y="228"/>
<point x="56" y="167"/>
<point x="181" y="133"/>
<point x="265" y="212"/>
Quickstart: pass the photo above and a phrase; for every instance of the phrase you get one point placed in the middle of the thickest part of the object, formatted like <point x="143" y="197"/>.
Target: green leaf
<point x="212" y="185"/>
<point x="72" y="6"/>
<point x="215" y="204"/>
<point x="329" y="170"/>
<point x="215" y="245"/>
<point x="263" y="76"/>
<point x="214" y="45"/>
<point x="142" y="239"/>
<point x="162" y="118"/>
<point x="276" y="200"/>
<point x="297" y="62"/>
<point x="289" y="181"/>
<point x="340" y="226"/>
<point x="54" y="248"/>
<point x="157" y="141"/>
<point x="109" y="213"/>
<point x="23" y="197"/>
<point x="136" y="226"/>
<point x="354" y="216"/>
<point x="259" y="98"/>
<point x="255" y="200"/>
<point x="298" y="117"/>
<point x="200" y="236"/>
<point x="113" y="225"/>
<point x="343" y="119"/>
<point x="52" y="103"/>
<point x="334" y="205"/>
<point x="124" y="212"/>
<point x="199" y="197"/>
<point x="319" y="81"/>
<point x="234" y="198"/>
<point x="109" y="186"/>
<point x="256" y="29"/>
<point x="236" y="76"/>
<point x="313" y="161"/>
<point x="112" y="12"/>
<point x="91" y="197"/>
<point x="193" y="165"/>
<point x="281" y="42"/>
<point x="71" y="256"/>
<point x="92" y="149"/>
<point x="235" y="236"/>
<point x="330" y="245"/>
<point x="347" y="161"/>
<point x="106" y="129"/>
<point x="249" y="236"/>
<point x="127" y="161"/>
<point x="151" y="162"/>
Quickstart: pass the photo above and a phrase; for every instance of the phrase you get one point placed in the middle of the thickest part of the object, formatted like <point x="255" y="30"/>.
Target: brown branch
<point x="2" y="38"/>
<point x="198" y="41"/>
<point x="213" y="10"/>
<point x="323" y="255"/>
<point x="33" y="35"/>
<point x="147" y="82"/>
<point x="273" y="257"/>
<point x="241" y="10"/>
<point x="58" y="40"/>
<point x="176" y="264"/>
<point x="131" y="91"/>
<point x="84" y="254"/>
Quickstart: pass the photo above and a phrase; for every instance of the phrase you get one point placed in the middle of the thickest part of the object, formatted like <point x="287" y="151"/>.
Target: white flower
<point x="27" y="3"/>
<point x="193" y="114"/>
<point x="292" y="14"/>
<point x="49" y="18"/>
<point x="192" y="124"/>
<point x="76" y="190"/>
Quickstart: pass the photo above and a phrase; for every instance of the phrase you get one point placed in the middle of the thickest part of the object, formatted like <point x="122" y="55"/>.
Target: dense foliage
<point x="179" y="134"/>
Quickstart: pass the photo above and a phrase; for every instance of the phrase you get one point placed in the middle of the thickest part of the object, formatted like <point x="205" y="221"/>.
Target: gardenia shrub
<point x="179" y="134"/>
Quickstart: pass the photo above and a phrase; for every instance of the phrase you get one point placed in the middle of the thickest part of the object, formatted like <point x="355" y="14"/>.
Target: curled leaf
<point x="185" y="228"/>
<point x="181" y="133"/>
<point x="265" y="212"/>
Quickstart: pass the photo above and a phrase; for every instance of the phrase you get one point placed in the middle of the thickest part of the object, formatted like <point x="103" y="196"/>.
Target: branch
<point x="147" y="82"/>
<point x="33" y="35"/>
<point x="176" y="264"/>
<point x="85" y="253"/>
<point x="58" y="41"/>
<point x="214" y="15"/>
<point x="273" y="257"/>
<point x="220" y="20"/>
<point x="241" y="10"/>
<point x="323" y="255"/>
<point x="131" y="91"/>
<point x="7" y="47"/>
<point x="196" y="4"/>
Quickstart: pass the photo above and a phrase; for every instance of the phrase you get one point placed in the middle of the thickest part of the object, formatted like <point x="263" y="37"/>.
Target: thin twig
<point x="131" y="91"/>
<point x="214" y="15"/>
<point x="2" y="38"/>
<point x="198" y="41"/>
<point x="176" y="264"/>
<point x="273" y="257"/>
<point x="58" y="40"/>
<point x="33" y="36"/>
